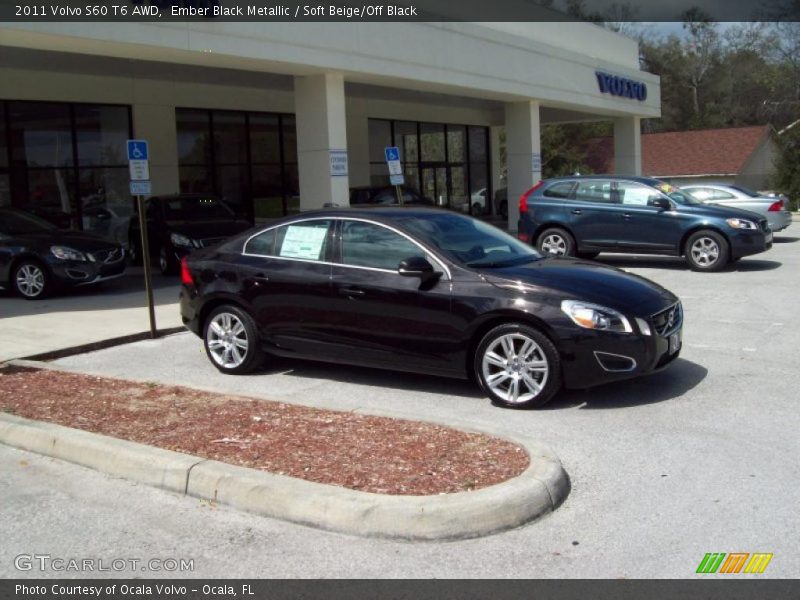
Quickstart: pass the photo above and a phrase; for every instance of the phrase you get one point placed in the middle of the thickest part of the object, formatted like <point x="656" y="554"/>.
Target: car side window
<point x="560" y="190"/>
<point x="720" y="195"/>
<point x="306" y="240"/>
<point x="370" y="245"/>
<point x="385" y="197"/>
<point x="700" y="193"/>
<point x="636" y="194"/>
<point x="594" y="191"/>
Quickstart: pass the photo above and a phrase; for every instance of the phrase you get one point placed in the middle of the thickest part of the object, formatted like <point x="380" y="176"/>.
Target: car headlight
<point x="594" y="316"/>
<point x="741" y="224"/>
<point x="180" y="240"/>
<point x="66" y="253"/>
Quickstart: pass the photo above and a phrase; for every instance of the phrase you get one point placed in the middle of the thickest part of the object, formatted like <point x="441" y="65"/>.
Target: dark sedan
<point x="425" y="291"/>
<point x="36" y="257"/>
<point x="181" y="223"/>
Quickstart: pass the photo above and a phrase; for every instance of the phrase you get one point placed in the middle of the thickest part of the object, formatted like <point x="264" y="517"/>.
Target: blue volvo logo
<point x="620" y="86"/>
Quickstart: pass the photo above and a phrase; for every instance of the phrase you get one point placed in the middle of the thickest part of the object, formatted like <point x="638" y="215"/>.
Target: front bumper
<point x="75" y="273"/>
<point x="746" y="243"/>
<point x="594" y="357"/>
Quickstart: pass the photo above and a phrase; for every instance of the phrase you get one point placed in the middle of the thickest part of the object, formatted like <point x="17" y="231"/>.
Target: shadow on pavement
<point x="784" y="239"/>
<point x="125" y="292"/>
<point x="676" y="380"/>
<point x="671" y="383"/>
<point x="678" y="264"/>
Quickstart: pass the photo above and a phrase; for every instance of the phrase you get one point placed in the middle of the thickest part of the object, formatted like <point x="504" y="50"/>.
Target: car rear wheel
<point x="706" y="251"/>
<point x="231" y="340"/>
<point x="135" y="254"/>
<point x="556" y="242"/>
<point x="517" y="366"/>
<point x="31" y="280"/>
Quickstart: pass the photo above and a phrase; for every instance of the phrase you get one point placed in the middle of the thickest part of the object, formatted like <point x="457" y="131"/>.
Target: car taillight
<point x="776" y="206"/>
<point x="186" y="275"/>
<point x="523" y="200"/>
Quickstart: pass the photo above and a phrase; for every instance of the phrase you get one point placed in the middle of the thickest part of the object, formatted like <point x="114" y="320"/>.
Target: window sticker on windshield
<point x="303" y="242"/>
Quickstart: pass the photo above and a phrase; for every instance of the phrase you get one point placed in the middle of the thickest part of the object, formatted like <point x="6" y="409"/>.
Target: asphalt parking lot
<point x="699" y="458"/>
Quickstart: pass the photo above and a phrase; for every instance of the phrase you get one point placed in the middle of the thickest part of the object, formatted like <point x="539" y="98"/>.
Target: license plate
<point x="675" y="342"/>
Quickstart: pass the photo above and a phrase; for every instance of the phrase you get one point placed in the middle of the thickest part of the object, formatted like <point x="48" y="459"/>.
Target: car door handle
<point x="577" y="211"/>
<point x="626" y="215"/>
<point x="351" y="292"/>
<point x="257" y="279"/>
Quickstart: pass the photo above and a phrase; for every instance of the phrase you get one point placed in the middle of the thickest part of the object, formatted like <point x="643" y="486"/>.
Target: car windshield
<point x="470" y="242"/>
<point x="199" y="208"/>
<point x="746" y="191"/>
<point x="679" y="196"/>
<point x="20" y="223"/>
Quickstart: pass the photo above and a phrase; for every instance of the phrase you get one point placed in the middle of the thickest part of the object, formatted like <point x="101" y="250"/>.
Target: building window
<point x="66" y="162"/>
<point x="248" y="159"/>
<point x="447" y="163"/>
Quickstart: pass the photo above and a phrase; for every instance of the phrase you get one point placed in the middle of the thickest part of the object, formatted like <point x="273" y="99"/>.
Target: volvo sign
<point x="620" y="86"/>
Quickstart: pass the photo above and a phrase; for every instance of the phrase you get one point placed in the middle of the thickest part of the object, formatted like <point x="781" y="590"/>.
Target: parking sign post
<point x="139" y="167"/>
<point x="392" y="154"/>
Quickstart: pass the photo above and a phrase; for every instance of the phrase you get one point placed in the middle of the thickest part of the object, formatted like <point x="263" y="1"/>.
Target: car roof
<point x="380" y="212"/>
<point x="638" y="178"/>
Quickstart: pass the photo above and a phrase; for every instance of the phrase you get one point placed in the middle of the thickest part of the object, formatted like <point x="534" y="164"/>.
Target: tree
<point x="787" y="177"/>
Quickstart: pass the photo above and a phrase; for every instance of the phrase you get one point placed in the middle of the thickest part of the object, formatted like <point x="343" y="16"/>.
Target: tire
<point x="707" y="251"/>
<point x="477" y="209"/>
<point x="535" y="381"/>
<point x="31" y="280"/>
<point x="231" y="340"/>
<point x="135" y="254"/>
<point x="166" y="263"/>
<point x="555" y="242"/>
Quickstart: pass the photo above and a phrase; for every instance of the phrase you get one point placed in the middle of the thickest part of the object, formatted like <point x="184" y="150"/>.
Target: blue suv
<point x="583" y="216"/>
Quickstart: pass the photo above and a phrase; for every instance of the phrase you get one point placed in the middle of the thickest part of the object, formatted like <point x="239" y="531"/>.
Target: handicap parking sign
<point x="392" y="153"/>
<point x="137" y="150"/>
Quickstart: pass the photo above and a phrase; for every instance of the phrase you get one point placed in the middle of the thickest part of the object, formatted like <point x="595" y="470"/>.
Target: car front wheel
<point x="231" y="340"/>
<point x="517" y="366"/>
<point x="555" y="242"/>
<point x="706" y="251"/>
<point x="31" y="280"/>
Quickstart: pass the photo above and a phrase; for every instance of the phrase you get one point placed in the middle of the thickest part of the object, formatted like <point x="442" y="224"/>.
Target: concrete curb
<point x="532" y="494"/>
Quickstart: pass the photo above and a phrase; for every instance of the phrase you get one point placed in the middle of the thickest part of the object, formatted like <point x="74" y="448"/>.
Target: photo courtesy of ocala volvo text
<point x="427" y="291"/>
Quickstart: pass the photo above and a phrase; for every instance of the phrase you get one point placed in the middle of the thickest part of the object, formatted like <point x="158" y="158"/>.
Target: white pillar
<point x="156" y="124"/>
<point x="628" y="146"/>
<point x="523" y="153"/>
<point x="321" y="132"/>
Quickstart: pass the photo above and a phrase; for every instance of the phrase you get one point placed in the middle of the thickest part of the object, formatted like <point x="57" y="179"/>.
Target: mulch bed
<point x="366" y="453"/>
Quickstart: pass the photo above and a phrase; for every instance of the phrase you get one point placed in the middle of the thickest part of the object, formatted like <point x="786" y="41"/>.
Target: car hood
<point x="199" y="230"/>
<point x="585" y="280"/>
<point x="722" y="212"/>
<point x="78" y="240"/>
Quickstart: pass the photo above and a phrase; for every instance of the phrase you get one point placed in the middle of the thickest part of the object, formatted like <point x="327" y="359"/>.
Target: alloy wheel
<point x="705" y="251"/>
<point x="554" y="244"/>
<point x="227" y="340"/>
<point x="515" y="368"/>
<point x="30" y="280"/>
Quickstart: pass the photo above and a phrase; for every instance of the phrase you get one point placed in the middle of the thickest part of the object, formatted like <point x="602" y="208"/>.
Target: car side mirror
<point x="417" y="266"/>
<point x="662" y="204"/>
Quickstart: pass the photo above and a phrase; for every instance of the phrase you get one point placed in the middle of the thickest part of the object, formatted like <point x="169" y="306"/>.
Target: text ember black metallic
<point x="426" y="291"/>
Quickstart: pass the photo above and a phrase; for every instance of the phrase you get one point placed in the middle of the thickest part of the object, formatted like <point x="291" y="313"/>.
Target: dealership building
<point x="277" y="117"/>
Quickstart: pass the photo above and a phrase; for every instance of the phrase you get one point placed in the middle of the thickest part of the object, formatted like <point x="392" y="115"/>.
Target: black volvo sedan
<point x="427" y="291"/>
<point x="36" y="257"/>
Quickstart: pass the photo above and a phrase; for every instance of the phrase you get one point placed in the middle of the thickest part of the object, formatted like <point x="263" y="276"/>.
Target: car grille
<point x="668" y="321"/>
<point x="109" y="256"/>
<point x="211" y="241"/>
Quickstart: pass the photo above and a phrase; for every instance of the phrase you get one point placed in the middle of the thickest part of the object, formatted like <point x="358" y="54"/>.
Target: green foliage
<point x="787" y="177"/>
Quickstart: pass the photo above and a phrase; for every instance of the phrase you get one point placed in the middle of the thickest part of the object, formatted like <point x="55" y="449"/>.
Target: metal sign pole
<point x="399" y="195"/>
<point x="148" y="276"/>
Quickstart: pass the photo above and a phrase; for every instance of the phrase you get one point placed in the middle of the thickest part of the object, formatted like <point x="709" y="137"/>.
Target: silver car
<point x="775" y="210"/>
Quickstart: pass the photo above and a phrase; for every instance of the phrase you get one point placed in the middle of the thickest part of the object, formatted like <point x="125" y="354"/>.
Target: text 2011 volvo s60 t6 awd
<point x="425" y="291"/>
